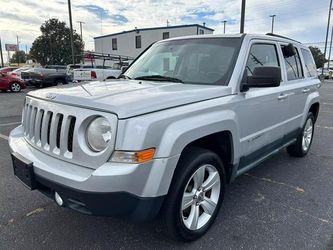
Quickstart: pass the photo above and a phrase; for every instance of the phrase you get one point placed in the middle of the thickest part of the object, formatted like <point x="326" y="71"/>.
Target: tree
<point x="318" y="56"/>
<point x="53" y="46"/>
<point x="18" y="57"/>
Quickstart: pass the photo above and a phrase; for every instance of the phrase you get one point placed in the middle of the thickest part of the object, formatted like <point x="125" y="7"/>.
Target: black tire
<point x="15" y="87"/>
<point x="59" y="82"/>
<point x="296" y="149"/>
<point x="191" y="160"/>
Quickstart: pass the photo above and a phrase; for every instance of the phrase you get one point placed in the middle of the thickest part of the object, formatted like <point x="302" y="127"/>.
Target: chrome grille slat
<point x="44" y="131"/>
<point x="64" y="134"/>
<point x="32" y="122"/>
<point x="37" y="127"/>
<point x="53" y="132"/>
<point x="29" y="108"/>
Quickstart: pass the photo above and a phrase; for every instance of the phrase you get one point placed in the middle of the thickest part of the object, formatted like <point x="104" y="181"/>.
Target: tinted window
<point x="114" y="43"/>
<point x="261" y="55"/>
<point x="310" y="67"/>
<point x="138" y="42"/>
<point x="293" y="66"/>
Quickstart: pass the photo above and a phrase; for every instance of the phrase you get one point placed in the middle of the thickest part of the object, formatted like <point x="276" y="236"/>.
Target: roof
<point x="157" y="28"/>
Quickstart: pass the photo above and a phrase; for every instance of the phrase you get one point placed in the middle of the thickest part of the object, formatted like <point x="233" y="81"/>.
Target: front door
<point x="262" y="111"/>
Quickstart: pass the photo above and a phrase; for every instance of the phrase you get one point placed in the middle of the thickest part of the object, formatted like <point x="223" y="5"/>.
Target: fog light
<point x="58" y="199"/>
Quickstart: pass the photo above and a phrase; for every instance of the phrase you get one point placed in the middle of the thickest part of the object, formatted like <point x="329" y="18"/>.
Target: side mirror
<point x="263" y="77"/>
<point x="289" y="50"/>
<point x="123" y="69"/>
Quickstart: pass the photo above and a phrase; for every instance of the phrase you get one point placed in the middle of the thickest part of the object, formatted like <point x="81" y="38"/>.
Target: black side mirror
<point x="289" y="50"/>
<point x="262" y="77"/>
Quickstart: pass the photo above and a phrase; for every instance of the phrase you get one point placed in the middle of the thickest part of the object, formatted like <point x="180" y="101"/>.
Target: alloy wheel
<point x="200" y="197"/>
<point x="307" y="135"/>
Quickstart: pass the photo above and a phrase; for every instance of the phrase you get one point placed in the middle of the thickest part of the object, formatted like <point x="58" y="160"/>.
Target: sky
<point x="303" y="20"/>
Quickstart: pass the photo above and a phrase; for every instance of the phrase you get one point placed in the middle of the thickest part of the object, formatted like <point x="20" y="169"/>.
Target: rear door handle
<point x="306" y="90"/>
<point x="282" y="97"/>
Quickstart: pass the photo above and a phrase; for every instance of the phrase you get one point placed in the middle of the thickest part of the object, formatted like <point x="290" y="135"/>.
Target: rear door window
<point x="293" y="65"/>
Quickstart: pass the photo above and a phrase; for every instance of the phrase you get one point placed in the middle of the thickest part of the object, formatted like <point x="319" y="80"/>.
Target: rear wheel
<point x="59" y="82"/>
<point x="195" y="195"/>
<point x="15" y="87"/>
<point x="304" y="140"/>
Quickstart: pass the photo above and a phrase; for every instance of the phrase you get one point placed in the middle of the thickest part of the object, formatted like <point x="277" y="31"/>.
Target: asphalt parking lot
<point x="285" y="203"/>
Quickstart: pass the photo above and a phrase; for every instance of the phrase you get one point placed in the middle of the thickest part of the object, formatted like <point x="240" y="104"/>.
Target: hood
<point x="128" y="98"/>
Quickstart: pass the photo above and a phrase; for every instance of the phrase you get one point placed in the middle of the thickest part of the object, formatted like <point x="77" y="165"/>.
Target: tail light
<point x="41" y="76"/>
<point x="93" y="74"/>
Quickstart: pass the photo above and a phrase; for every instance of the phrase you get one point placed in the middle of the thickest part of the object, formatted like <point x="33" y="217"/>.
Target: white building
<point x="133" y="42"/>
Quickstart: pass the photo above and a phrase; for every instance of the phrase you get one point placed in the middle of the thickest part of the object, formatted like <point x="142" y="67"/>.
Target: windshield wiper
<point x="158" y="78"/>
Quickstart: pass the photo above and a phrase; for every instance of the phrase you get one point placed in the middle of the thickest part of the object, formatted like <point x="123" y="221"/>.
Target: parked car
<point x="97" y="73"/>
<point x="17" y="72"/>
<point x="7" y="69"/>
<point x="12" y="83"/>
<point x="187" y="117"/>
<point x="327" y="74"/>
<point x="53" y="75"/>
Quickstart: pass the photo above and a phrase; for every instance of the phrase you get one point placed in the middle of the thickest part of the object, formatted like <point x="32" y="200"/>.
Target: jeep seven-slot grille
<point x="49" y="130"/>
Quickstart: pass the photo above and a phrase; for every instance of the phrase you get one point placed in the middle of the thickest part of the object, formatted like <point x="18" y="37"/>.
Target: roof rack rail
<point x="272" y="34"/>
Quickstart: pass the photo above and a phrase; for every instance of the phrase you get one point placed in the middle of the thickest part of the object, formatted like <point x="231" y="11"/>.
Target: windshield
<point x="191" y="61"/>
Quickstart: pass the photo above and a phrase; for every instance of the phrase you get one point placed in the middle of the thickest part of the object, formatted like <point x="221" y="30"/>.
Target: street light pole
<point x="80" y="22"/>
<point x="327" y="30"/>
<point x="71" y="28"/>
<point x="2" y="65"/>
<point x="242" y="21"/>
<point x="329" y="52"/>
<point x="273" y="17"/>
<point x="18" y="51"/>
<point x="224" y="22"/>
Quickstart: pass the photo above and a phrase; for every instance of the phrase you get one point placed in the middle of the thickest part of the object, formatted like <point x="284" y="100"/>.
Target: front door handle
<point x="306" y="90"/>
<point x="282" y="97"/>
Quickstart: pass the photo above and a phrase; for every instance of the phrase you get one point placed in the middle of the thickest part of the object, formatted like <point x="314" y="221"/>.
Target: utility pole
<point x="18" y="51"/>
<point x="273" y="17"/>
<point x="242" y="21"/>
<point x="80" y="22"/>
<point x="329" y="53"/>
<point x="327" y="30"/>
<point x="224" y="22"/>
<point x="2" y="65"/>
<point x="71" y="27"/>
<point x="167" y="23"/>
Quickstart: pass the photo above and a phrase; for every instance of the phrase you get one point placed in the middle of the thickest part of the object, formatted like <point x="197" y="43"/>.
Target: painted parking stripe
<point x="4" y="137"/>
<point x="14" y="123"/>
<point x="326" y="127"/>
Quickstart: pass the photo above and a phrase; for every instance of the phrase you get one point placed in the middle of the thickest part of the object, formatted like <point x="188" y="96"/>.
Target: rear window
<point x="310" y="67"/>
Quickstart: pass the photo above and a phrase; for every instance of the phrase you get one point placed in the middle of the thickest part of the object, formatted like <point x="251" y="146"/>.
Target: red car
<point x="7" y="69"/>
<point x="10" y="82"/>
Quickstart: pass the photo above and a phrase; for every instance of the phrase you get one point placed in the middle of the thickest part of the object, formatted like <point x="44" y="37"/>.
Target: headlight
<point x="98" y="134"/>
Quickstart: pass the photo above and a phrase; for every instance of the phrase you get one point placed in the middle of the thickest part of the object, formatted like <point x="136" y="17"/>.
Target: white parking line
<point x="318" y="126"/>
<point x="4" y="137"/>
<point x="14" y="123"/>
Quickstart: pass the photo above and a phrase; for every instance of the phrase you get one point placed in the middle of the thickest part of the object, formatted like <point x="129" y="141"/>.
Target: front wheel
<point x="304" y="140"/>
<point x="195" y="195"/>
<point x="15" y="87"/>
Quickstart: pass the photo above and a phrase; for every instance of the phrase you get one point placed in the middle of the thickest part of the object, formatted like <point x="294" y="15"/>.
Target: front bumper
<point x="132" y="190"/>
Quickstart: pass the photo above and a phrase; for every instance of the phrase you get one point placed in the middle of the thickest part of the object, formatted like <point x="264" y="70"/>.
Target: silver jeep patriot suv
<point x="188" y="116"/>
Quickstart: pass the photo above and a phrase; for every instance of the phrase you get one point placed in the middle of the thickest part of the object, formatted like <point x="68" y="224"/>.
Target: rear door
<point x="301" y="79"/>
<point x="262" y="112"/>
